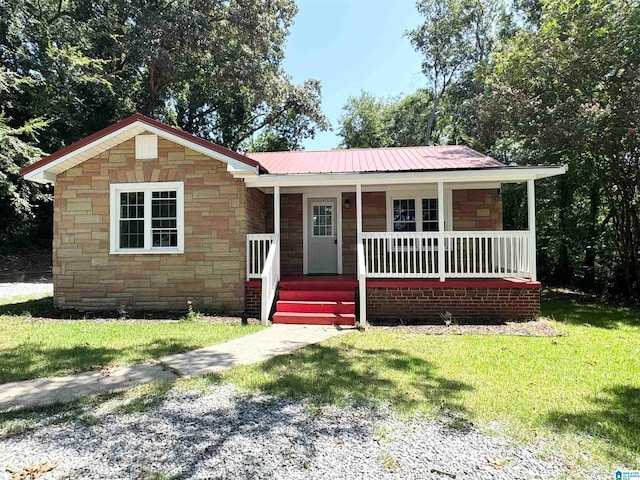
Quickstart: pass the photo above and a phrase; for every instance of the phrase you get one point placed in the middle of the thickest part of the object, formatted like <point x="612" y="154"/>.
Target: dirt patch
<point x="539" y="328"/>
<point x="150" y="317"/>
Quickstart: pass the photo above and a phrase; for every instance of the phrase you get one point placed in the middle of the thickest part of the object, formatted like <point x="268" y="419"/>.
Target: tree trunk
<point x="432" y="118"/>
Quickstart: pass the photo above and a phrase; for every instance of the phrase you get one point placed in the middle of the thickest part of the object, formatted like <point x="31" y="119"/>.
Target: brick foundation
<point x="475" y="304"/>
<point x="252" y="298"/>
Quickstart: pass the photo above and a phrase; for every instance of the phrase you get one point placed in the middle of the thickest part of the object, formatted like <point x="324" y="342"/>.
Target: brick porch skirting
<point x="471" y="303"/>
<point x="252" y="298"/>
<point x="475" y="301"/>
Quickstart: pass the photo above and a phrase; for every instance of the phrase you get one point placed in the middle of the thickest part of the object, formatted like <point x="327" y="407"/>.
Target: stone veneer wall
<point x="477" y="209"/>
<point x="374" y="219"/>
<point x="219" y="212"/>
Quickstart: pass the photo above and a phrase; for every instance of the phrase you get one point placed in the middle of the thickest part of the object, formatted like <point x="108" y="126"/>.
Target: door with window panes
<point x="322" y="236"/>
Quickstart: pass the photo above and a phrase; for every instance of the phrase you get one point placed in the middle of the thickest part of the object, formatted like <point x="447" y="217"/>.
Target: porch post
<point x="276" y="225"/>
<point x="441" y="246"/>
<point x="362" y="275"/>
<point x="531" y="216"/>
<point x="276" y="210"/>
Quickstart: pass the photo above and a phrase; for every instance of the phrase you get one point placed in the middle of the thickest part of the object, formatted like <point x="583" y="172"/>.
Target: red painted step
<point x="318" y="295"/>
<point x="315" y="318"/>
<point x="315" y="307"/>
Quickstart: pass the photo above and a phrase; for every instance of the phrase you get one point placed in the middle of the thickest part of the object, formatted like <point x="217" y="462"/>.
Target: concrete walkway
<point x="259" y="346"/>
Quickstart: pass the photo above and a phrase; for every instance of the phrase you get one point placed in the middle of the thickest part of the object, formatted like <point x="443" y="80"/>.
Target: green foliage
<point x="19" y="200"/>
<point x="212" y="68"/>
<point x="370" y="122"/>
<point x="567" y="91"/>
<point x="456" y="37"/>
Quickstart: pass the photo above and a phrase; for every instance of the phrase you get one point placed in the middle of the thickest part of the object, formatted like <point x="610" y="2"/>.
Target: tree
<point x="210" y="67"/>
<point x="19" y="200"/>
<point x="567" y="91"/>
<point x="364" y="122"/>
<point x="456" y="37"/>
<point x="369" y="122"/>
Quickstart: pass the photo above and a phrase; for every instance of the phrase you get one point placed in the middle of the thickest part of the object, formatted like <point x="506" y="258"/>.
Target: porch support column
<point x="531" y="218"/>
<point x="441" y="247"/>
<point x="362" y="274"/>
<point x="276" y="225"/>
<point x="276" y="210"/>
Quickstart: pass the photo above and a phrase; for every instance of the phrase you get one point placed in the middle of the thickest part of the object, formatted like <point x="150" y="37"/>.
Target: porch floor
<point x="297" y="281"/>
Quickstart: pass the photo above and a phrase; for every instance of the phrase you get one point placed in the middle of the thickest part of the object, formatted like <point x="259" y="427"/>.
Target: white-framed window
<point x="411" y="211"/>
<point x="147" y="217"/>
<point x="413" y="214"/>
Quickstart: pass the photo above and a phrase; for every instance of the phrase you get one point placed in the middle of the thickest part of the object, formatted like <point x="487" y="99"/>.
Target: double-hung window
<point x="413" y="214"/>
<point x="147" y="217"/>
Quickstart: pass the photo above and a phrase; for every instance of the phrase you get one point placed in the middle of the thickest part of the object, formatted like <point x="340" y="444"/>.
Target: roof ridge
<point x="362" y="149"/>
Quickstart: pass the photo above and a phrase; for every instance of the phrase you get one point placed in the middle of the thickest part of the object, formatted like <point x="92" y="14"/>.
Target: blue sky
<point x="350" y="46"/>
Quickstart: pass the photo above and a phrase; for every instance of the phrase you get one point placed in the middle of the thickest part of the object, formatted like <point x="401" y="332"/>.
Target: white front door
<point x="322" y="236"/>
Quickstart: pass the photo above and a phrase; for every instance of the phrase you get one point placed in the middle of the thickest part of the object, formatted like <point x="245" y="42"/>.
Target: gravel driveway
<point x="41" y="287"/>
<point x="223" y="434"/>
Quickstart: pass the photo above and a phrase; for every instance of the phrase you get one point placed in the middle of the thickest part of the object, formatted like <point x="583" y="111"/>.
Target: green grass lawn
<point x="582" y="388"/>
<point x="31" y="349"/>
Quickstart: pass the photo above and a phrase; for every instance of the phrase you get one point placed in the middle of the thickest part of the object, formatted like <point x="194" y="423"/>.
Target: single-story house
<point x="147" y="216"/>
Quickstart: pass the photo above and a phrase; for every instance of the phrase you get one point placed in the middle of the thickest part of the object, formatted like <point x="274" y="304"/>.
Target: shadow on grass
<point x="35" y="360"/>
<point x="36" y="307"/>
<point x="615" y="418"/>
<point x="345" y="374"/>
<point x="576" y="310"/>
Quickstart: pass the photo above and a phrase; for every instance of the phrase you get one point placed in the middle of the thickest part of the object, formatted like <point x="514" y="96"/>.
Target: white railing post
<point x="362" y="282"/>
<point x="531" y="207"/>
<point x="441" y="245"/>
<point x="361" y="260"/>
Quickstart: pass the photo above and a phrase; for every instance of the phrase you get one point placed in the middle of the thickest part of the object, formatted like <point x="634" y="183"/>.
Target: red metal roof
<point x="392" y="159"/>
<point x="138" y="117"/>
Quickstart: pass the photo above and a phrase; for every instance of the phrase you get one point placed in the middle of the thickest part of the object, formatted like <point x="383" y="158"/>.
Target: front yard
<point x="32" y="348"/>
<point x="581" y="390"/>
<point x="578" y="393"/>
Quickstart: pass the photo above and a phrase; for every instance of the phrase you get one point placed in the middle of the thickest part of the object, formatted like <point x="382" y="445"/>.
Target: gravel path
<point x="42" y="287"/>
<point x="223" y="434"/>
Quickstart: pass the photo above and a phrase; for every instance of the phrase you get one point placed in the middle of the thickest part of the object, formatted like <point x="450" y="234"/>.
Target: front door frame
<point x="306" y="198"/>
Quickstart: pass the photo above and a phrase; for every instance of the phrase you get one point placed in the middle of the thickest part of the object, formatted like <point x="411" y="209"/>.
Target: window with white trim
<point x="407" y="211"/>
<point x="413" y="212"/>
<point x="147" y="217"/>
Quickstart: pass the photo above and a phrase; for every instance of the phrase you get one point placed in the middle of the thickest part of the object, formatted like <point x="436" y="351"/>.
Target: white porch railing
<point x="258" y="246"/>
<point x="486" y="254"/>
<point x="270" y="278"/>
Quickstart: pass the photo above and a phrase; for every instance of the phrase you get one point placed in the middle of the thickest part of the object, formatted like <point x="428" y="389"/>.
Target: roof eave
<point x="492" y="174"/>
<point x="41" y="171"/>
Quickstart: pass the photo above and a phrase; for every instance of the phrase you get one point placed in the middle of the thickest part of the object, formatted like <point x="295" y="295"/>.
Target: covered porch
<point x="410" y="243"/>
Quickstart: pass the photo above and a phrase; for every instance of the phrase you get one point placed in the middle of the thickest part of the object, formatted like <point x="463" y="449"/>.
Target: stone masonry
<point x="219" y="212"/>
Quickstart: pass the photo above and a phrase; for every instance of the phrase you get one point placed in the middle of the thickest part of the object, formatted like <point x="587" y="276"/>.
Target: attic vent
<point x="146" y="146"/>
